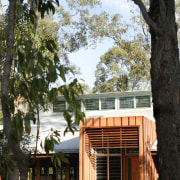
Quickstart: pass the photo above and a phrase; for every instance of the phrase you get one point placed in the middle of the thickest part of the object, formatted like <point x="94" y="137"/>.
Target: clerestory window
<point x="126" y="102"/>
<point x="107" y="103"/>
<point x="143" y="101"/>
<point x="92" y="104"/>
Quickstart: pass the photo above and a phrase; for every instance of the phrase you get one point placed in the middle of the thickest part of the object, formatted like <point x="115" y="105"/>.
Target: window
<point x="131" y="151"/>
<point x="108" y="165"/>
<point x="59" y="107"/>
<point x="126" y="102"/>
<point x="101" y="167"/>
<point x="92" y="104"/>
<point x="107" y="103"/>
<point x="143" y="101"/>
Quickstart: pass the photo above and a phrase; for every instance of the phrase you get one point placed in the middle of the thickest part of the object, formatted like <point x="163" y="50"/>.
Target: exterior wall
<point x="147" y="134"/>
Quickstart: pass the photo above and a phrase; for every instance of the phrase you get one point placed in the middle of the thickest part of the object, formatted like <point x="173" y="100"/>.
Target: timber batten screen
<point x="114" y="137"/>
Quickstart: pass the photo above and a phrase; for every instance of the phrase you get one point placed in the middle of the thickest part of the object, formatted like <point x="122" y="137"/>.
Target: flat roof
<point x="111" y="94"/>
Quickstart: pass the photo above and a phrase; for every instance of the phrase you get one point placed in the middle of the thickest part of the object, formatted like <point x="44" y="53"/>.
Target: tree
<point x="165" y="81"/>
<point x="126" y="65"/>
<point x="31" y="66"/>
<point x="34" y="58"/>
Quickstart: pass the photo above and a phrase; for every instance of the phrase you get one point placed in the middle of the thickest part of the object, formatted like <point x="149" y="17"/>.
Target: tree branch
<point x="153" y="26"/>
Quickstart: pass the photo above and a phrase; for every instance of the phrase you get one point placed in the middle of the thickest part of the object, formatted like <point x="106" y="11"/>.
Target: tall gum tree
<point x="29" y="66"/>
<point x="165" y="81"/>
<point x="34" y="60"/>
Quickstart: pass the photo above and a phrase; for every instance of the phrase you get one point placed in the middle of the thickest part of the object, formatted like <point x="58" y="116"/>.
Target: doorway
<point x="132" y="168"/>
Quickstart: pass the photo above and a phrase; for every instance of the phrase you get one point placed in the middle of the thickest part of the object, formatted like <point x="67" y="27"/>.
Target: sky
<point x="87" y="59"/>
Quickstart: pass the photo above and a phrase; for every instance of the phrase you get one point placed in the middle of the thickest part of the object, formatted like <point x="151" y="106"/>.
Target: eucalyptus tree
<point x="30" y="66"/>
<point x="124" y="67"/>
<point x="165" y="82"/>
<point x="35" y="56"/>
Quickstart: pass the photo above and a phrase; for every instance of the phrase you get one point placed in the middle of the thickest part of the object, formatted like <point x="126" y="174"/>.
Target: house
<point x="116" y="142"/>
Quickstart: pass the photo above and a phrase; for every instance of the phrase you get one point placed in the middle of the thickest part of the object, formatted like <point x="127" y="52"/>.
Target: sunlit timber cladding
<point x="106" y="141"/>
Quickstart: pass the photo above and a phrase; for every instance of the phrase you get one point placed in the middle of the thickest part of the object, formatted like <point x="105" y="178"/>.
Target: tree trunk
<point x="165" y="91"/>
<point x="165" y="71"/>
<point x="21" y="158"/>
<point x="165" y="76"/>
<point x="13" y="175"/>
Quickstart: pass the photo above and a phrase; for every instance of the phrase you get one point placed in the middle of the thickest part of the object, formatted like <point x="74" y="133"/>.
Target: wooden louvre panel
<point x="117" y="137"/>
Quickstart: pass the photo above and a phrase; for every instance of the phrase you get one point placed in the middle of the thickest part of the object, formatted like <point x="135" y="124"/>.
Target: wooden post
<point x="67" y="171"/>
<point x="38" y="169"/>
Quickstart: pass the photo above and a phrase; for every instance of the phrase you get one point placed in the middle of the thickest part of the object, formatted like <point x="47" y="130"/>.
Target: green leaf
<point x="29" y="117"/>
<point x="32" y="16"/>
<point x="62" y="73"/>
<point x="50" y="6"/>
<point x="49" y="46"/>
<point x="57" y="1"/>
<point x="56" y="58"/>
<point x="52" y="95"/>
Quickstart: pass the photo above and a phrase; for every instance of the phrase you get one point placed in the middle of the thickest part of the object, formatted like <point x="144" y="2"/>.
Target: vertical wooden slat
<point x="139" y="120"/>
<point x="89" y="122"/>
<point x="141" y="140"/>
<point x="102" y="122"/>
<point x="125" y="121"/>
<point x="81" y="152"/>
<point x="117" y="121"/>
<point x="96" y="122"/>
<point x="110" y="121"/>
<point x="132" y="121"/>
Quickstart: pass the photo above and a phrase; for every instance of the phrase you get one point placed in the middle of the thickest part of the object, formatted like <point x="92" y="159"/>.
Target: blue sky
<point x="87" y="59"/>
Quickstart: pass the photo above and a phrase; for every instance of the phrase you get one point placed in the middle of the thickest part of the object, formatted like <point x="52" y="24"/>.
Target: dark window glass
<point x="92" y="104"/>
<point x="143" y="101"/>
<point x="129" y="169"/>
<point x="107" y="103"/>
<point x="59" y="107"/>
<point x="132" y="151"/>
<point x="126" y="102"/>
<point x="108" y="164"/>
<point x="115" y="151"/>
<point x="114" y="168"/>
<point x="101" y="168"/>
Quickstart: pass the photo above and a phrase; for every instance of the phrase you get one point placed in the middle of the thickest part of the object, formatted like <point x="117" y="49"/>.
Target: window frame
<point x="92" y="109"/>
<point x="114" y="105"/>
<point x="108" y="156"/>
<point x="128" y="97"/>
<point x="142" y="106"/>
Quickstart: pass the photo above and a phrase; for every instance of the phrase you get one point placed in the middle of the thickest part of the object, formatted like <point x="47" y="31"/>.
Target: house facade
<point x="114" y="143"/>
